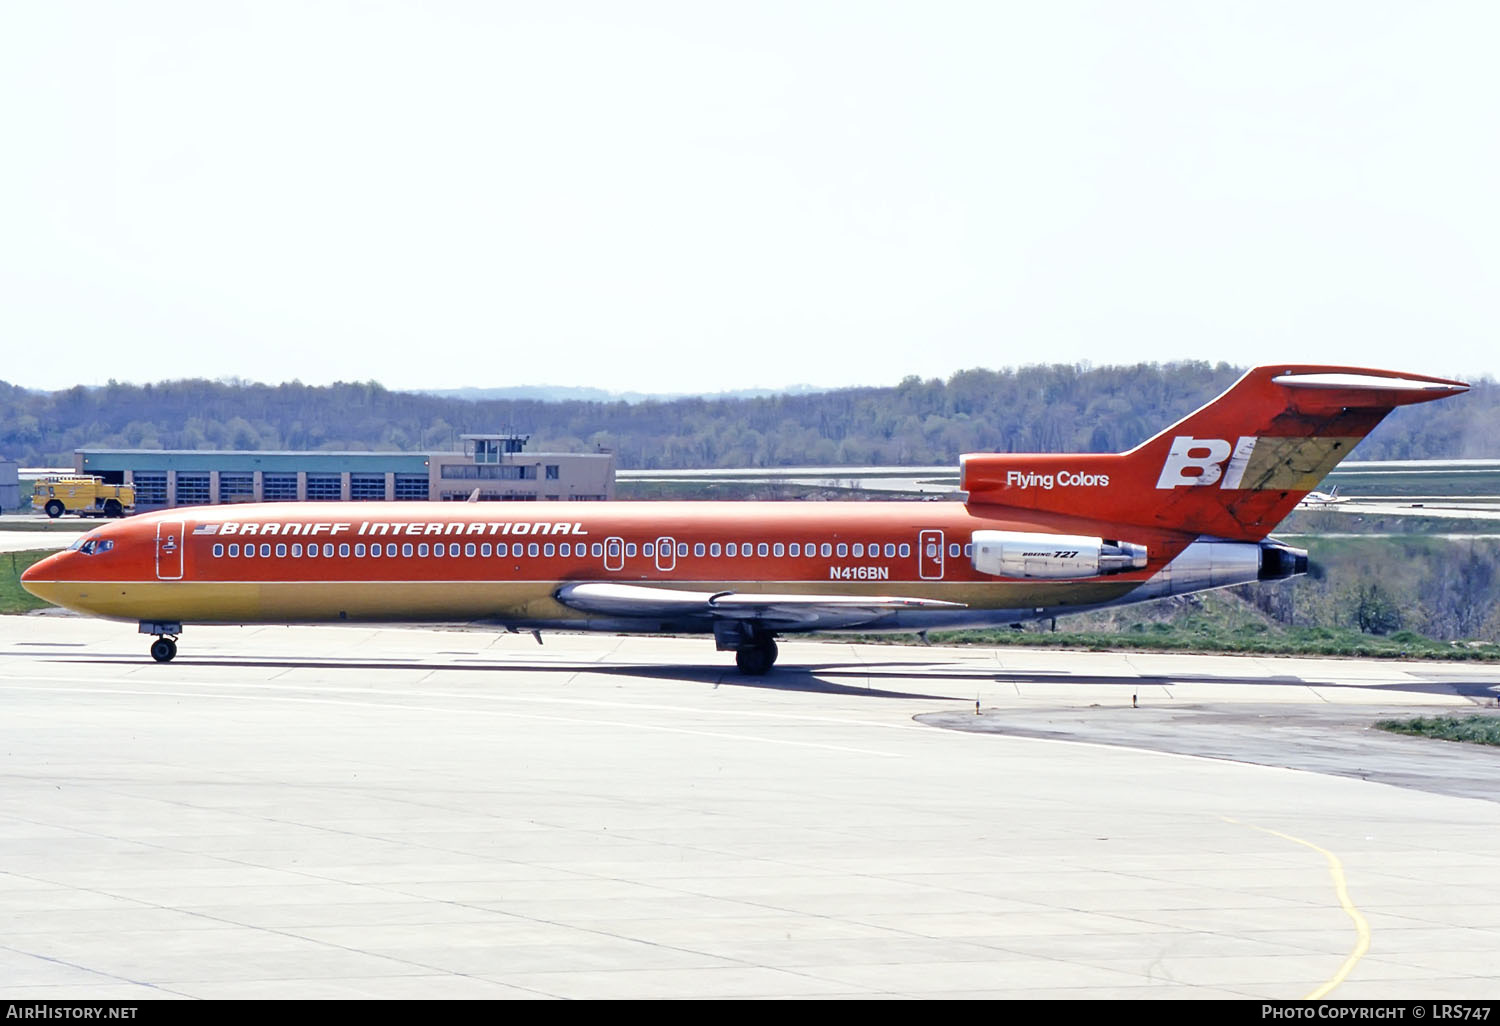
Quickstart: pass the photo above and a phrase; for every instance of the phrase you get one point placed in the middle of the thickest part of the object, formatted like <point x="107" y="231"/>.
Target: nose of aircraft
<point x="45" y="569"/>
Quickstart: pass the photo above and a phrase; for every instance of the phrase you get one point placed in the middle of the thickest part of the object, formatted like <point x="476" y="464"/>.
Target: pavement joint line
<point x="1341" y="888"/>
<point x="84" y="968"/>
<point x="262" y="687"/>
<point x="274" y="931"/>
<point x="469" y="712"/>
<point x="806" y="972"/>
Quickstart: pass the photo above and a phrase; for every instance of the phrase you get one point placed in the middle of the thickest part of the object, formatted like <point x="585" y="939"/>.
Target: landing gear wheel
<point x="54" y="509"/>
<point x="163" y="649"/>
<point x="757" y="658"/>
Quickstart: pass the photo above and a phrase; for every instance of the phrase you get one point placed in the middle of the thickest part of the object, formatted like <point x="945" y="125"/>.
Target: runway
<point x="402" y="813"/>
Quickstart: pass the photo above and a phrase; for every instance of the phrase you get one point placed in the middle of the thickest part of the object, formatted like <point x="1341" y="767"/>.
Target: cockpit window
<point x="89" y="546"/>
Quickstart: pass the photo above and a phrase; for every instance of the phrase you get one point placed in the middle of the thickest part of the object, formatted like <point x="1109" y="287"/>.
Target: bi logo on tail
<point x="1202" y="461"/>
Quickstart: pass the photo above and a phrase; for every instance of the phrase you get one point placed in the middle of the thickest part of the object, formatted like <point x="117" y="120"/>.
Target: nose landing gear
<point x="164" y="648"/>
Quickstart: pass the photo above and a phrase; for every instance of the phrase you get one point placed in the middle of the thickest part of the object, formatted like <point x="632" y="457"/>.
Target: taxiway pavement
<point x="388" y="812"/>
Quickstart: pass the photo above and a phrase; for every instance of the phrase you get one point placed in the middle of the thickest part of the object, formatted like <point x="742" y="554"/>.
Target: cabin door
<point x="614" y="554"/>
<point x="666" y="554"/>
<point x="169" y="544"/>
<point x="930" y="555"/>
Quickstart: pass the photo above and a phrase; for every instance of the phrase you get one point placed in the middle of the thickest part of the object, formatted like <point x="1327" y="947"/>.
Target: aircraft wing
<point x="783" y="612"/>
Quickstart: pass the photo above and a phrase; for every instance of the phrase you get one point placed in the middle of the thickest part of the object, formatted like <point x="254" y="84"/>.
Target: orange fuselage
<point x="386" y="561"/>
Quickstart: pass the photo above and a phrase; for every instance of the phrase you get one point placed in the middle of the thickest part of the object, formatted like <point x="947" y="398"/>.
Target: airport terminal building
<point x="497" y="465"/>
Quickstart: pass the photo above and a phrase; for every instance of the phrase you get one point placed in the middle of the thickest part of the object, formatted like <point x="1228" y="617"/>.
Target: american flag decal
<point x="206" y="529"/>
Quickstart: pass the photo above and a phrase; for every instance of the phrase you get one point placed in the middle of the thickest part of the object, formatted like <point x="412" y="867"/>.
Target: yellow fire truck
<point x="85" y="496"/>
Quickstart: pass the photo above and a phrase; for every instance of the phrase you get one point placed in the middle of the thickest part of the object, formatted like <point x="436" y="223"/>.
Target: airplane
<point x="1038" y="536"/>
<point x="1316" y="500"/>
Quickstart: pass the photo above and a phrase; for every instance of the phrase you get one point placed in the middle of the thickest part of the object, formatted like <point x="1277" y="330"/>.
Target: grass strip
<point x="13" y="597"/>
<point x="1477" y="729"/>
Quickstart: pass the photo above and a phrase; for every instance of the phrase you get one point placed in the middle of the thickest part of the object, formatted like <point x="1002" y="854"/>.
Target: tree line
<point x="1045" y="408"/>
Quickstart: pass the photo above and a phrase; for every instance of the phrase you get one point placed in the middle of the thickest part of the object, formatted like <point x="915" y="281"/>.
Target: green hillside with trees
<point x="919" y="421"/>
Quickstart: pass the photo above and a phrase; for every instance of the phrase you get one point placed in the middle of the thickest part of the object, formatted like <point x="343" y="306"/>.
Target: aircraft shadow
<point x="825" y="678"/>
<point x="811" y="679"/>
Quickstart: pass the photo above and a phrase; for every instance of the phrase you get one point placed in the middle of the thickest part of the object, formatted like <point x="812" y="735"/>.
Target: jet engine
<point x="1053" y="556"/>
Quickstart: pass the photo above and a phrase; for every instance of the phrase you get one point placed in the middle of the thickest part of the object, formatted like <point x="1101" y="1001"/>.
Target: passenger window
<point x="249" y="551"/>
<point x="843" y="550"/>
<point x="731" y="549"/>
<point x="486" y="550"/>
<point x="614" y="549"/>
<point x="859" y="550"/>
<point x="698" y="548"/>
<point x="794" y="549"/>
<point x="439" y="550"/>
<point x="265" y="550"/>
<point x="778" y="549"/>
<point x="344" y="549"/>
<point x="630" y="548"/>
<point x="648" y="549"/>
<point x="597" y="549"/>
<point x="890" y="551"/>
<point x="905" y="550"/>
<point x="531" y="550"/>
<point x="714" y="549"/>
<point x="422" y="549"/>
<point x="827" y="550"/>
<point x="969" y="549"/>
<point x="746" y="550"/>
<point x="218" y="551"/>
<point x="682" y="548"/>
<point x="564" y="549"/>
<point x="406" y="550"/>
<point x="502" y="550"/>
<point x="549" y="550"/>
<point x="328" y="549"/>
<point x="280" y="550"/>
<point x="469" y="548"/>
<point x="953" y="549"/>
<point x="375" y="551"/>
<point x="812" y="549"/>
<point x="297" y="550"/>
<point x="762" y="550"/>
<point x="931" y="550"/>
<point x="359" y="550"/>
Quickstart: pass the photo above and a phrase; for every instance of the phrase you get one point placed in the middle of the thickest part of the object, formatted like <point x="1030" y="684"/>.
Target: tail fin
<point x="1232" y="469"/>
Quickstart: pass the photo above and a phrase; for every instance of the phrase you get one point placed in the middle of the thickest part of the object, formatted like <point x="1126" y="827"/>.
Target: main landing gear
<point x="754" y="648"/>
<point x="756" y="659"/>
<point x="164" y="648"/>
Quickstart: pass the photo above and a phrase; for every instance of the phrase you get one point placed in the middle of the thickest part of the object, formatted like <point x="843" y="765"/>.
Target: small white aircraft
<point x="1313" y="500"/>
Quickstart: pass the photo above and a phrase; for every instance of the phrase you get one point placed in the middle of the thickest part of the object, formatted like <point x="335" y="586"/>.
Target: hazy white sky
<point x="701" y="196"/>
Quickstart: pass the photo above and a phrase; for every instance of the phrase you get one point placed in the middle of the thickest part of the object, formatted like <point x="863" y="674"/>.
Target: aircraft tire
<point x="163" y="649"/>
<point x="751" y="661"/>
<point x="756" y="660"/>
